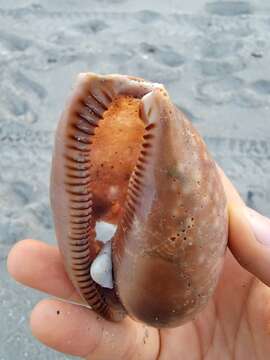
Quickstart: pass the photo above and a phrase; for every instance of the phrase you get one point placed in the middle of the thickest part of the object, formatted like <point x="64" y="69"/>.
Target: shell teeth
<point x="137" y="178"/>
<point x="151" y="105"/>
<point x="147" y="107"/>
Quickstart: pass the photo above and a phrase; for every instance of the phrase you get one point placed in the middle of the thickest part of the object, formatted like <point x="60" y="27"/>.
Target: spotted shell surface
<point x="125" y="154"/>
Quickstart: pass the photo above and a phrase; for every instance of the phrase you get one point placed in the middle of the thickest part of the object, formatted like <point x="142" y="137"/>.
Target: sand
<point x="212" y="56"/>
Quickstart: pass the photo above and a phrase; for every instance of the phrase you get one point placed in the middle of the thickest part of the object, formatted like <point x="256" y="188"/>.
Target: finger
<point x="249" y="234"/>
<point x="230" y="190"/>
<point x="39" y="266"/>
<point x="78" y="331"/>
<point x="249" y="241"/>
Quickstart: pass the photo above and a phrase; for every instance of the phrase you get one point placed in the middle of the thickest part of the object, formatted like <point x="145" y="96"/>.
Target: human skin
<point x="234" y="325"/>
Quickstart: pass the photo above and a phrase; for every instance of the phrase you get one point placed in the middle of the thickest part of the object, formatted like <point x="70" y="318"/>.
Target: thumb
<point x="249" y="240"/>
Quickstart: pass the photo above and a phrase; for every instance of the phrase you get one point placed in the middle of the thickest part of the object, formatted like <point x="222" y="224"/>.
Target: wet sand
<point x="212" y="56"/>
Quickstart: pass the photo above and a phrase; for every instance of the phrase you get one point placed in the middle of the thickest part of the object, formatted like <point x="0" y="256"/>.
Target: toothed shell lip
<point x="125" y="79"/>
<point x="87" y="75"/>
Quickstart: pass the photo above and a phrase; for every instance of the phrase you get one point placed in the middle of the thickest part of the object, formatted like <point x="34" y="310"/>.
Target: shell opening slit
<point x="96" y="118"/>
<point x="127" y="157"/>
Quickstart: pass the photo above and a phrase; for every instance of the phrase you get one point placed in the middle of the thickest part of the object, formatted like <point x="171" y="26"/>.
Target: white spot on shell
<point x="113" y="191"/>
<point x="187" y="188"/>
<point x="180" y="168"/>
<point x="197" y="175"/>
<point x="101" y="268"/>
<point x="104" y="231"/>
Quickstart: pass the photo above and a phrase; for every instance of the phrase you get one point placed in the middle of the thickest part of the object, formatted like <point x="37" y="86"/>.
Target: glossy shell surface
<point x="125" y="154"/>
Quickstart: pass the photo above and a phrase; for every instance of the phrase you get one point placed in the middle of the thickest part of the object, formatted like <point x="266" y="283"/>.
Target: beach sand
<point x="213" y="57"/>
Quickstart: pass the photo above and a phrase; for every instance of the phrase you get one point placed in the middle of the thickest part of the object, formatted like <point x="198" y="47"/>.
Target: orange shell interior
<point x="114" y="152"/>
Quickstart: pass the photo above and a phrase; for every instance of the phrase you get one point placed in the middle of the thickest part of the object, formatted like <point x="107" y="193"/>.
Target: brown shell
<point x="126" y="155"/>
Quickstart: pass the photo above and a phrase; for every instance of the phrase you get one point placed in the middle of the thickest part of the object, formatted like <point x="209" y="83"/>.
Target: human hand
<point x="234" y="325"/>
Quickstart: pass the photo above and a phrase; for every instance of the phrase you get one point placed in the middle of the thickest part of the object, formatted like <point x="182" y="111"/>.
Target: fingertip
<point x="78" y="331"/>
<point x="40" y="266"/>
<point x="15" y="255"/>
<point x="231" y="192"/>
<point x="37" y="317"/>
<point x="42" y="317"/>
<point x="65" y="327"/>
<point x="239" y="234"/>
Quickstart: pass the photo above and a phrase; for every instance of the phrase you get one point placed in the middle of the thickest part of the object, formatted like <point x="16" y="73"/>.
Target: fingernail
<point x="260" y="225"/>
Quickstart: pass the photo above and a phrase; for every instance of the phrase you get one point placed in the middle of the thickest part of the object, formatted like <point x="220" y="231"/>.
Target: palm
<point x="235" y="324"/>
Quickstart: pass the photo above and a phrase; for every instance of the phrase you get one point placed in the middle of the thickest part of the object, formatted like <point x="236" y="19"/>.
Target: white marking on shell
<point x="189" y="222"/>
<point x="180" y="167"/>
<point x="104" y="231"/>
<point x="101" y="267"/>
<point x="186" y="303"/>
<point x="113" y="191"/>
<point x="196" y="175"/>
<point x="187" y="188"/>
